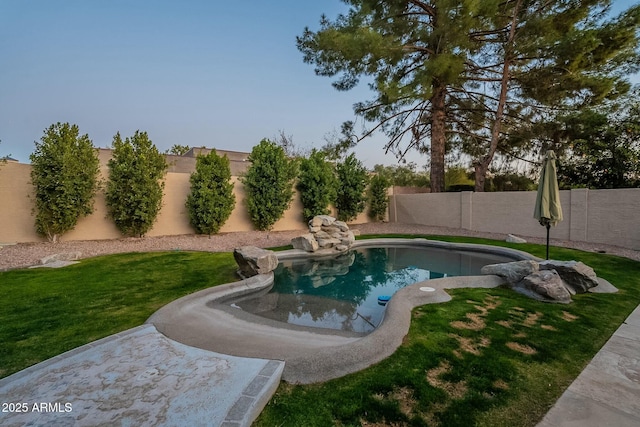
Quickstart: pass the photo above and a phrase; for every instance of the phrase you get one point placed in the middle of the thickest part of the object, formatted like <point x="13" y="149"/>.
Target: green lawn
<point x="45" y="312"/>
<point x="486" y="358"/>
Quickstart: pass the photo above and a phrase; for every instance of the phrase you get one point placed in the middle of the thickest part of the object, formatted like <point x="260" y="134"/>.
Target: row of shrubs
<point x="65" y="176"/>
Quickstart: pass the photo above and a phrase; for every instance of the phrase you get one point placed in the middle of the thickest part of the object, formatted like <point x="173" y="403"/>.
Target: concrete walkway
<point x="607" y="392"/>
<point x="139" y="377"/>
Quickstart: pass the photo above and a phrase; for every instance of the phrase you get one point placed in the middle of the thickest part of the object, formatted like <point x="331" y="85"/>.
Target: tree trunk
<point x="481" y="175"/>
<point x="438" y="137"/>
<point x="482" y="165"/>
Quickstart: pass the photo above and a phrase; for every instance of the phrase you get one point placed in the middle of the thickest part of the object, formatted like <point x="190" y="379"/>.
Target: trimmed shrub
<point x="134" y="190"/>
<point x="268" y="184"/>
<point x="211" y="199"/>
<point x="65" y="178"/>
<point x="378" y="198"/>
<point x="352" y="183"/>
<point x="316" y="184"/>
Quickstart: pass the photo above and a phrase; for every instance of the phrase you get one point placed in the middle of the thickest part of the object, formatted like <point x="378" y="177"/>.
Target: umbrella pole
<point x="548" y="227"/>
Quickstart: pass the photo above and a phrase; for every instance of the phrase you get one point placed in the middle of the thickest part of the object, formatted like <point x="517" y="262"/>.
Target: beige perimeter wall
<point x="17" y="222"/>
<point x="599" y="216"/>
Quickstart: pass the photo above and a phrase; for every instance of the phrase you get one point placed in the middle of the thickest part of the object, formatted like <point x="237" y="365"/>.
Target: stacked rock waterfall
<point x="325" y="232"/>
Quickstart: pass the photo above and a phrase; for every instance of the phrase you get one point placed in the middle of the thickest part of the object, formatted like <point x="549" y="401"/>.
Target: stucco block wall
<point x="16" y="204"/>
<point x="512" y="212"/>
<point x="438" y="209"/>
<point x="614" y="216"/>
<point x="599" y="216"/>
<point x="17" y="222"/>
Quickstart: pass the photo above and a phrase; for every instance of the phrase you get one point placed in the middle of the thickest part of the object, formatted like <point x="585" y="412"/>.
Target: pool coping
<point x="310" y="354"/>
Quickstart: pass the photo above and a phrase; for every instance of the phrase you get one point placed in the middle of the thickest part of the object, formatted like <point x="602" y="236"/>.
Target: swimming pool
<point x="205" y="319"/>
<point x="348" y="292"/>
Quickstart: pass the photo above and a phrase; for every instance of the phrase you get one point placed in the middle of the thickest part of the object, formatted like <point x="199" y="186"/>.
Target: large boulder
<point x="544" y="285"/>
<point x="306" y="242"/>
<point x="512" y="272"/>
<point x="253" y="261"/>
<point x="576" y="275"/>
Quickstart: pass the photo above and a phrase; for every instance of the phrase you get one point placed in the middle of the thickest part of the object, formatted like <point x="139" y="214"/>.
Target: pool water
<point x="343" y="293"/>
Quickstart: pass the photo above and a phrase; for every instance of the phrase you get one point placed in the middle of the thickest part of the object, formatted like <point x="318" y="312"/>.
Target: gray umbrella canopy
<point x="548" y="210"/>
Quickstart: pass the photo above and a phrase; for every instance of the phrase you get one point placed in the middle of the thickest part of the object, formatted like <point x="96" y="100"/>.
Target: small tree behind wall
<point x="316" y="184"/>
<point x="268" y="184"/>
<point x="65" y="178"/>
<point x="211" y="199"/>
<point x="134" y="190"/>
<point x="352" y="183"/>
<point x="378" y="198"/>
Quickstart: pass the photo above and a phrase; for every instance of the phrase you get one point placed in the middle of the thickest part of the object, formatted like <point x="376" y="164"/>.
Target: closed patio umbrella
<point x="548" y="210"/>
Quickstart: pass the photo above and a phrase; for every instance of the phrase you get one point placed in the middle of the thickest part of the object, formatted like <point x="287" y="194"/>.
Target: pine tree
<point x="543" y="57"/>
<point x="467" y="71"/>
<point x="417" y="56"/>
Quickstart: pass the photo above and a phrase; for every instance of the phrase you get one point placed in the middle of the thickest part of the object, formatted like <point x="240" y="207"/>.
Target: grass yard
<point x="45" y="312"/>
<point x="486" y="358"/>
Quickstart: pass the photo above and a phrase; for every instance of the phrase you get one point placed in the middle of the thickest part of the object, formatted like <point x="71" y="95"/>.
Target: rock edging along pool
<point x="206" y="320"/>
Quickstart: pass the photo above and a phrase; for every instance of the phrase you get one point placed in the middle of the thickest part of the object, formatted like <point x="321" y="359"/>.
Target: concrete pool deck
<point x="142" y="377"/>
<point x="139" y="377"/>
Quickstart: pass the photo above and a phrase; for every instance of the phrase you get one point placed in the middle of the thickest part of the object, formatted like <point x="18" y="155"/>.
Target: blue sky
<point x="212" y="73"/>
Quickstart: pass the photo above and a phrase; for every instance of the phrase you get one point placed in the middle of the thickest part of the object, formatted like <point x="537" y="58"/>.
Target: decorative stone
<point x="348" y="238"/>
<point x="604" y="287"/>
<point x="330" y="229"/>
<point x="321" y="235"/>
<point x="327" y="242"/>
<point x="64" y="256"/>
<point x="341" y="225"/>
<point x="306" y="242"/>
<point x="576" y="275"/>
<point x="320" y="220"/>
<point x="252" y="261"/>
<point x="327" y="233"/>
<point x="316" y="221"/>
<point x="544" y="285"/>
<point x="515" y="239"/>
<point x="513" y="272"/>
